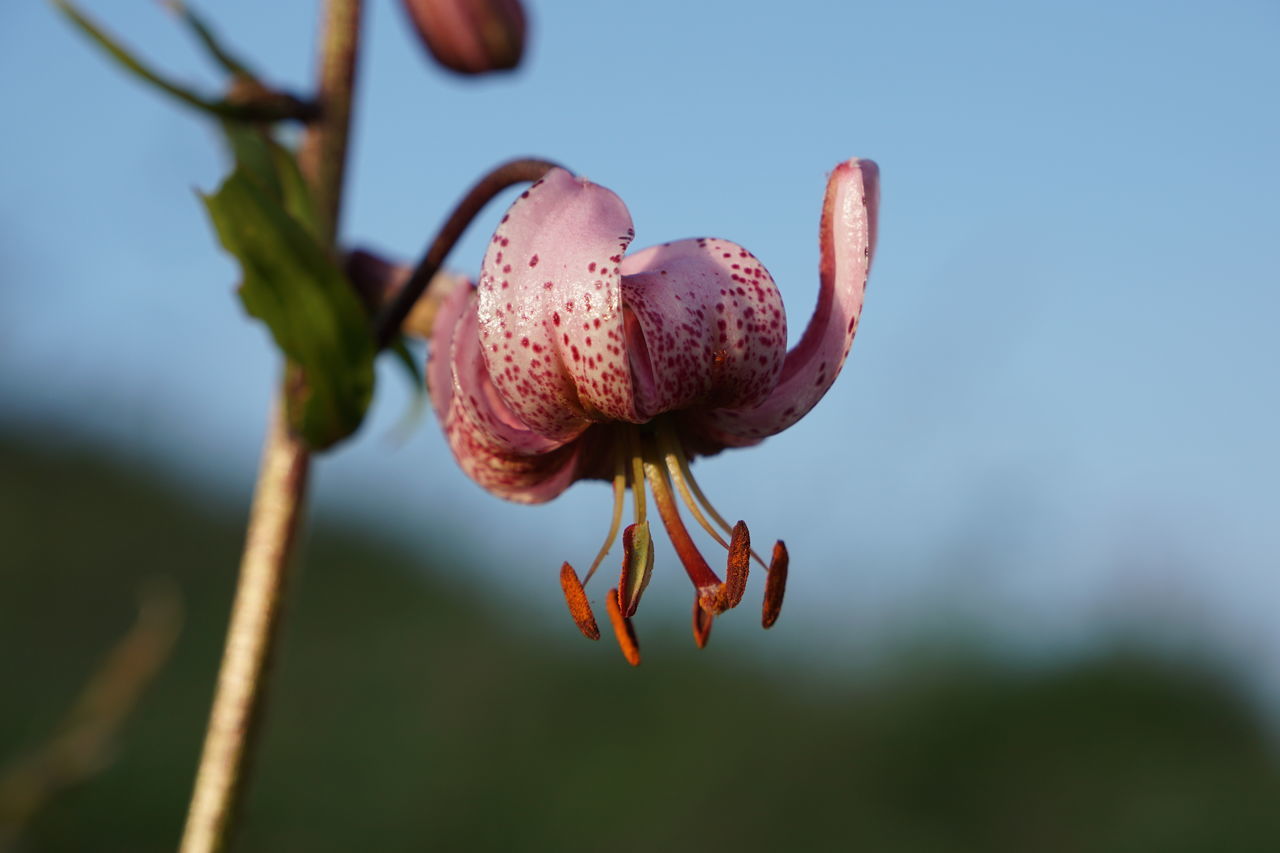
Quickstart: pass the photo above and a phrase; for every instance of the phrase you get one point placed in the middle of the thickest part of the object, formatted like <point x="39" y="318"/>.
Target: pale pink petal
<point x="491" y="445"/>
<point x="848" y="239"/>
<point x="550" y="310"/>
<point x="439" y="363"/>
<point x="708" y="327"/>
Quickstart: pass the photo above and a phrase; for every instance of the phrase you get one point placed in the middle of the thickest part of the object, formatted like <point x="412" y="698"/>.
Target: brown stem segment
<point x="323" y="157"/>
<point x="257" y="612"/>
<point x="507" y="175"/>
<point x="255" y="624"/>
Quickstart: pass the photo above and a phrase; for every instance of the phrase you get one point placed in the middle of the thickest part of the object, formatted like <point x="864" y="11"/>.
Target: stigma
<point x="650" y="462"/>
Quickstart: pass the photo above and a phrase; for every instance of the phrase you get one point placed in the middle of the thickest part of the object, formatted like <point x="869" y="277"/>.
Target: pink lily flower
<point x="573" y="360"/>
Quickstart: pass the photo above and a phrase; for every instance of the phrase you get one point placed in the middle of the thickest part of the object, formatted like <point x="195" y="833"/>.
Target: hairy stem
<point x="256" y="615"/>
<point x="506" y="175"/>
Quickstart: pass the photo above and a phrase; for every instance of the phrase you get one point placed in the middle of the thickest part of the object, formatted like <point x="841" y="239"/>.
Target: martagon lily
<point x="573" y="360"/>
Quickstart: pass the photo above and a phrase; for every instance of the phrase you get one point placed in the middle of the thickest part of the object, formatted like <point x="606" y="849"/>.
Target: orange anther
<point x="579" y="608"/>
<point x="776" y="585"/>
<point x="623" y="630"/>
<point x="735" y="579"/>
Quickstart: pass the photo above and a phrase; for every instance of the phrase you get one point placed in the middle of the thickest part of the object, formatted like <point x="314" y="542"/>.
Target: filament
<point x="637" y="474"/>
<point x="682" y="486"/>
<point x="619" y="487"/>
<point x="685" y="483"/>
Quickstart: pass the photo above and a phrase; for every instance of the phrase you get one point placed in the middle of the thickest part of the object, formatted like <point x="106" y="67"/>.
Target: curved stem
<point x="257" y="613"/>
<point x="506" y="175"/>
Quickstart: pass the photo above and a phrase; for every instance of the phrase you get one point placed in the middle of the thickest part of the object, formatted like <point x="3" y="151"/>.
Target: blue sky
<point x="1061" y="408"/>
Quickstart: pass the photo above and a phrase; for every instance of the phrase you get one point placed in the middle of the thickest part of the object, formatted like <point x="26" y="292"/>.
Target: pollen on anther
<point x="735" y="580"/>
<point x="579" y="607"/>
<point x="623" y="629"/>
<point x="776" y="585"/>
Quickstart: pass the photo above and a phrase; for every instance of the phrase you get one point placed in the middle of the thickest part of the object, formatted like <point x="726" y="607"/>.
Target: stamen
<point x="623" y="630"/>
<point x="636" y="449"/>
<point x="619" y="488"/>
<point x="735" y="579"/>
<point x="637" y="567"/>
<point x="776" y="585"/>
<point x="682" y="486"/>
<point x="701" y="624"/>
<point x="579" y="608"/>
<point x="673" y="447"/>
<point x="704" y="580"/>
<point x="686" y="483"/>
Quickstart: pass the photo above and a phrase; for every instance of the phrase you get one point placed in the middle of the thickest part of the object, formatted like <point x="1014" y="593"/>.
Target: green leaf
<point x="205" y="35"/>
<point x="128" y="61"/>
<point x="270" y="106"/>
<point x="275" y="169"/>
<point x="292" y="285"/>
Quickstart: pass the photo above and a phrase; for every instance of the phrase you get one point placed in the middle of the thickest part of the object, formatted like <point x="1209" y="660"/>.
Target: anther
<point x="735" y="578"/>
<point x="637" y="566"/>
<point x="776" y="585"/>
<point x="623" y="630"/>
<point x="701" y="624"/>
<point x="579" y="608"/>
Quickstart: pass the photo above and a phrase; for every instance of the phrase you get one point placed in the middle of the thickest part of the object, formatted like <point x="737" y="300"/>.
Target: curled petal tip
<point x="847" y="238"/>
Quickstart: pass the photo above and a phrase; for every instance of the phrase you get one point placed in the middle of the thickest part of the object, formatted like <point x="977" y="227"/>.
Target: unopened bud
<point x="471" y="36"/>
<point x="377" y="281"/>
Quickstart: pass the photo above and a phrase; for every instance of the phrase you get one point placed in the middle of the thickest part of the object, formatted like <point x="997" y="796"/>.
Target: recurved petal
<point x="490" y="443"/>
<point x="848" y="239"/>
<point x="439" y="352"/>
<point x="550" y="309"/>
<point x="707" y="326"/>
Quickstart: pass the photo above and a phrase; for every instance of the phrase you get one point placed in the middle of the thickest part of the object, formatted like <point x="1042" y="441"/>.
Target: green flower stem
<point x="274" y="518"/>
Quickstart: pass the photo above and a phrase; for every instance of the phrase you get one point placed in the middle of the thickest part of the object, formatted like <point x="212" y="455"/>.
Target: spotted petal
<point x="708" y="328"/>
<point x="550" y="307"/>
<point x="848" y="239"/>
<point x="490" y="443"/>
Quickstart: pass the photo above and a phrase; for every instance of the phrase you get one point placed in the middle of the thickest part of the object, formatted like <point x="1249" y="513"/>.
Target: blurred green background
<point x="412" y="712"/>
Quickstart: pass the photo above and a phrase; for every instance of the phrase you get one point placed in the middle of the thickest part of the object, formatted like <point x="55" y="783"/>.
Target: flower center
<point x="651" y="457"/>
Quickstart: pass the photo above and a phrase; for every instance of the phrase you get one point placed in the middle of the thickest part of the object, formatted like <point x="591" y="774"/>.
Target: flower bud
<point x="471" y="36"/>
<point x="377" y="281"/>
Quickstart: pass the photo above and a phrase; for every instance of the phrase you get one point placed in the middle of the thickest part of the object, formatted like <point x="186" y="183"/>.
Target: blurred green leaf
<point x="292" y="285"/>
<point x="265" y="105"/>
<point x="274" y="168"/>
<point x="205" y="35"/>
<point x="128" y="61"/>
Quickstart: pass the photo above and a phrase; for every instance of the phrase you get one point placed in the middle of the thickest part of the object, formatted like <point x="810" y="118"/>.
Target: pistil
<point x="704" y="580"/>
